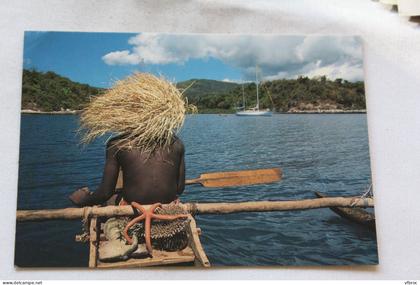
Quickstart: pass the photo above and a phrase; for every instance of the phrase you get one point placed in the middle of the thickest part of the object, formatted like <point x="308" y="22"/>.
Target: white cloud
<point x="121" y="58"/>
<point x="328" y="49"/>
<point x="333" y="71"/>
<point x="277" y="56"/>
<point x="228" y="80"/>
<point x="240" y="81"/>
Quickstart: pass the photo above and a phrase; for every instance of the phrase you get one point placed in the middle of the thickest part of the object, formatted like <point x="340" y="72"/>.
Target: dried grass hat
<point x="145" y="110"/>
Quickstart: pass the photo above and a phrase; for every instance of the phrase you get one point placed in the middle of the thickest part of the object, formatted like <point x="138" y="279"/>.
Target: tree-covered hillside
<point x="312" y="94"/>
<point x="51" y="92"/>
<point x="281" y="95"/>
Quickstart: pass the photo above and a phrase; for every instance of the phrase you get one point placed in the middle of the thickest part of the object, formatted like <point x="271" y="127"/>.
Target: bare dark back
<point x="159" y="177"/>
<point x="148" y="179"/>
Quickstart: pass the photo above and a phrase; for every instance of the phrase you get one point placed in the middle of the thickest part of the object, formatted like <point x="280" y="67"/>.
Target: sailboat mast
<point x="243" y="96"/>
<point x="256" y="81"/>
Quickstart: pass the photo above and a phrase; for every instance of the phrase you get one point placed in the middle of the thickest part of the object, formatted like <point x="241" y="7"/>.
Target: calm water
<point x="327" y="153"/>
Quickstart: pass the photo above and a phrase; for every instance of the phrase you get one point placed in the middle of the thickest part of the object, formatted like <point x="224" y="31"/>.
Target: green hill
<point x="51" y="92"/>
<point x="209" y="95"/>
<point x="202" y="87"/>
<point x="285" y="95"/>
<point x="304" y="94"/>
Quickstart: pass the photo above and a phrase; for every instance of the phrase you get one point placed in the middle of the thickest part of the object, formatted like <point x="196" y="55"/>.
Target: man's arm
<point x="107" y="187"/>
<point x="181" y="177"/>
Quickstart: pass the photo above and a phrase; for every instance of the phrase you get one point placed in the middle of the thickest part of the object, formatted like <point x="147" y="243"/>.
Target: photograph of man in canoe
<point x="155" y="149"/>
<point x="144" y="112"/>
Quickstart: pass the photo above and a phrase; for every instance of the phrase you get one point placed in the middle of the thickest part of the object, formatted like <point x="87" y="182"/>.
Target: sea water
<point x="317" y="152"/>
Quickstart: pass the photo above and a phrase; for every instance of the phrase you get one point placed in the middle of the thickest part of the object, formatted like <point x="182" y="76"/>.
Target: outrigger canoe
<point x="356" y="215"/>
<point x="192" y="254"/>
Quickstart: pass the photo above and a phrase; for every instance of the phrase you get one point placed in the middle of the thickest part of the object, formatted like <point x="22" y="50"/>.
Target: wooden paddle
<point x="237" y="178"/>
<point x="230" y="178"/>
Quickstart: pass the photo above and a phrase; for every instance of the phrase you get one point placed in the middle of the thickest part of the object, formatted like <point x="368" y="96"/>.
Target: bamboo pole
<point x="197" y="208"/>
<point x="269" y="206"/>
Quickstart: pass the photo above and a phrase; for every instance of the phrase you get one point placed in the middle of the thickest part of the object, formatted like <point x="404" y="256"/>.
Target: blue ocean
<point x="317" y="152"/>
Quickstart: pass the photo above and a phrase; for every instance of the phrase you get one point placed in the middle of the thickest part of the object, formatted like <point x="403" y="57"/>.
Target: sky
<point x="99" y="59"/>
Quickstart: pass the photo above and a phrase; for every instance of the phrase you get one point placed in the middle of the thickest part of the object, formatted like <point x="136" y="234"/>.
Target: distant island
<point x="48" y="92"/>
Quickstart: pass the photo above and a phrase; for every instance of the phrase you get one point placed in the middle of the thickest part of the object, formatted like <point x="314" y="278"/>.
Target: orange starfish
<point x="147" y="216"/>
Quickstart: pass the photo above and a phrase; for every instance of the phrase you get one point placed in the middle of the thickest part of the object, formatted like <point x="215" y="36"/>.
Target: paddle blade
<point x="240" y="178"/>
<point x="119" y="184"/>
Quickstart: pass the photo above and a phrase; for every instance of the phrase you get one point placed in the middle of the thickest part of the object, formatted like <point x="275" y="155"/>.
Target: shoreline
<point x="332" y="111"/>
<point x="294" y="112"/>
<point x="35" y="112"/>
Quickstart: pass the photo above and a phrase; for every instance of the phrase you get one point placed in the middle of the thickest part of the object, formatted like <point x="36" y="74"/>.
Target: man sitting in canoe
<point x="144" y="112"/>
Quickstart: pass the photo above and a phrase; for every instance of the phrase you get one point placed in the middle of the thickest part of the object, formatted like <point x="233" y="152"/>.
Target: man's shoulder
<point x="114" y="143"/>
<point x="178" y="144"/>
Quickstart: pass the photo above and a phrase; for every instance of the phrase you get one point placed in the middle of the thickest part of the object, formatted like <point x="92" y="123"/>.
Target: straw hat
<point x="145" y="110"/>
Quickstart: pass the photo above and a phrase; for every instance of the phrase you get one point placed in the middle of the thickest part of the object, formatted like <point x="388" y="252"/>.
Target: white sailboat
<point x="256" y="110"/>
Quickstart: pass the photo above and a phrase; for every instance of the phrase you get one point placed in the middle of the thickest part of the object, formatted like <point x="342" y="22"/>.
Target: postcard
<point x="206" y="150"/>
